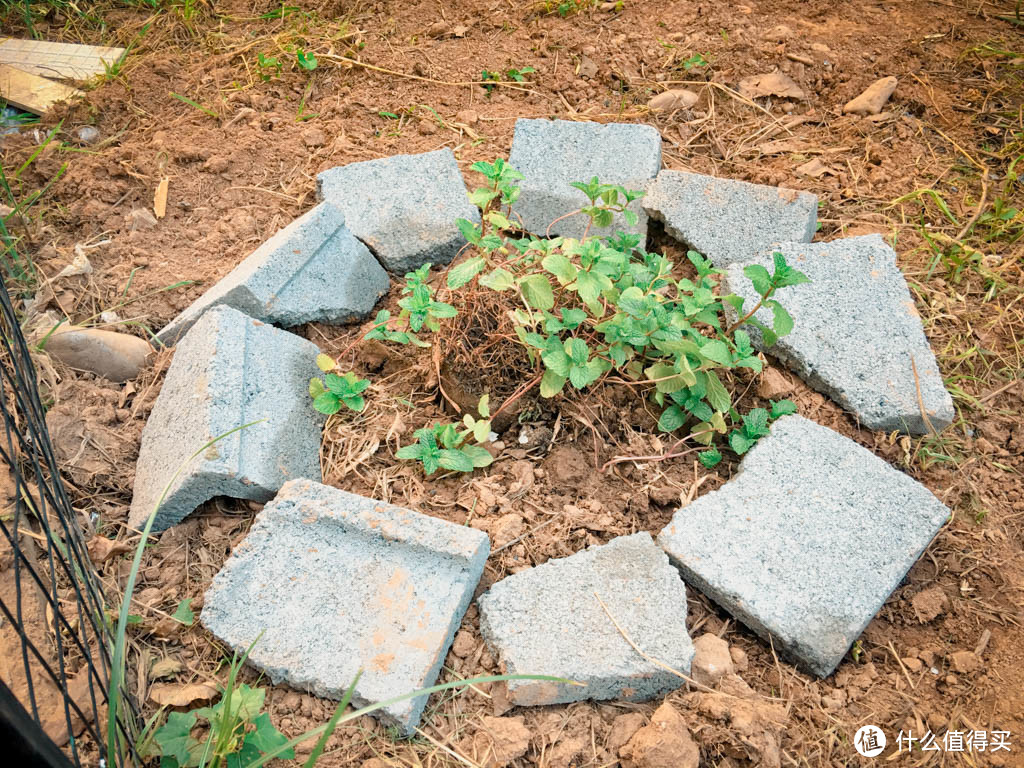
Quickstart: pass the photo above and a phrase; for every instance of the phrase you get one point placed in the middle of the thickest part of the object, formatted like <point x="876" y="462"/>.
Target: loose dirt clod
<point x="665" y="743"/>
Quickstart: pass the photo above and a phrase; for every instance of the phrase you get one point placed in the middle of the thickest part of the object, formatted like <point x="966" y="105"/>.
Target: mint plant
<point x="444" y="446"/>
<point x="334" y="391"/>
<point x="589" y="311"/>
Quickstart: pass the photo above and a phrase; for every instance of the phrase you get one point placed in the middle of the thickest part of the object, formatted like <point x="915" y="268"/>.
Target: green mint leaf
<point x="498" y="280"/>
<point x="782" y="408"/>
<point x="537" y="291"/>
<point x="672" y="418"/>
<point x="465" y="271"/>
<point x="710" y="458"/>
<point x="327" y="402"/>
<point x="759" y="276"/>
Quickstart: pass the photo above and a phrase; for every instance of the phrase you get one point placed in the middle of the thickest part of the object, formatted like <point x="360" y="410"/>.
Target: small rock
<point x="114" y="356"/>
<point x="624" y="727"/>
<point x="506" y="529"/>
<point x="929" y="604"/>
<point x="773" y="385"/>
<point x="665" y="743"/>
<point x="467" y="117"/>
<point x="588" y="68"/>
<point x="87" y="134"/>
<point x="965" y="662"/>
<point x="464" y="644"/>
<point x="314" y="137"/>
<point x="437" y="29"/>
<point x="141" y="219"/>
<point x="912" y="664"/>
<point x="674" y="99"/>
<point x="711" y="659"/>
<point x="739" y="658"/>
<point x="871" y="101"/>
<point x="500" y="740"/>
<point x="771" y="84"/>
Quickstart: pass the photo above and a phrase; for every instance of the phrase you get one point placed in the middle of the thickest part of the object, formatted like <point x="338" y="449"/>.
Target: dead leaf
<point x="102" y="549"/>
<point x="160" y="198"/>
<point x="771" y="84"/>
<point x="171" y="695"/>
<point x="164" y="668"/>
<point x="816" y="169"/>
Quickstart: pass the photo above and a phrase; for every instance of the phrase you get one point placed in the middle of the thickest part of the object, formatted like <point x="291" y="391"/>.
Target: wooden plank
<point x="27" y="91"/>
<point x="67" y="61"/>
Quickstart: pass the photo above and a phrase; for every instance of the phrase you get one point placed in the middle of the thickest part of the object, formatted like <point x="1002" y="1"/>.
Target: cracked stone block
<point x="552" y="154"/>
<point x="228" y="370"/>
<point x="727" y="220"/>
<point x="338" y="583"/>
<point x="857" y="336"/>
<point x="313" y="270"/>
<point x="548" y="621"/>
<point x="403" y="207"/>
<point x="807" y="542"/>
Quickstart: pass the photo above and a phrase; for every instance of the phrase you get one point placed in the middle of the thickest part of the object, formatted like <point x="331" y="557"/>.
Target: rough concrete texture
<point x="403" y="207"/>
<point x="227" y="371"/>
<point x="312" y="270"/>
<point x="856" y="336"/>
<point x="339" y="583"/>
<point x="805" y="544"/>
<point x="729" y="220"/>
<point x="547" y="621"/>
<point x="552" y="154"/>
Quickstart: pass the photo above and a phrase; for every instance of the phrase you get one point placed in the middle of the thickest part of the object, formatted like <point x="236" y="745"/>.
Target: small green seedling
<point x="239" y="732"/>
<point x="418" y="305"/>
<point x="305" y="59"/>
<point x="444" y="446"/>
<point x="270" y="66"/>
<point x="334" y="391"/>
<point x="519" y="75"/>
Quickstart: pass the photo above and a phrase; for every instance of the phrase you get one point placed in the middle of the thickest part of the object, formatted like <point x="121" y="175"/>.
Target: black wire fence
<point x="55" y="638"/>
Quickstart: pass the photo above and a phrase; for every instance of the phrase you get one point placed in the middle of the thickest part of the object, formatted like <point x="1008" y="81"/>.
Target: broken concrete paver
<point x="313" y="270"/>
<point x="805" y="544"/>
<point x="728" y="220"/>
<point x="548" y="621"/>
<point x="552" y="154"/>
<point x="856" y="336"/>
<point x="227" y="371"/>
<point x="403" y="207"/>
<point x="338" y="583"/>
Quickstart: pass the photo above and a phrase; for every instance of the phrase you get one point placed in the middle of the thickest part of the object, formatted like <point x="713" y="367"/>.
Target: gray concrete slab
<point x="548" y="621"/>
<point x="728" y="220"/>
<point x="338" y="583"/>
<point x="857" y="336"/>
<point x="403" y="207"/>
<point x="228" y="370"/>
<point x="552" y="154"/>
<point x="807" y="542"/>
<point x="312" y="270"/>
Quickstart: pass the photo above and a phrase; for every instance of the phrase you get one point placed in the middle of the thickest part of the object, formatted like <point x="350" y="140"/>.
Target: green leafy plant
<point x="306" y="60"/>
<point x="519" y="75"/>
<point x="596" y="309"/>
<point x="334" y="390"/>
<point x="270" y="66"/>
<point x="445" y="446"/>
<point x="238" y="731"/>
<point x="694" y="60"/>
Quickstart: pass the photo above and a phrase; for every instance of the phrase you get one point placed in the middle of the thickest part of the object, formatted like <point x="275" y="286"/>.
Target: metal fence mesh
<point x="54" y="635"/>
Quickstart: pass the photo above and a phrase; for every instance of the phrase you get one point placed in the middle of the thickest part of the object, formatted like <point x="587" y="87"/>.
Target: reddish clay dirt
<point x="954" y="125"/>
